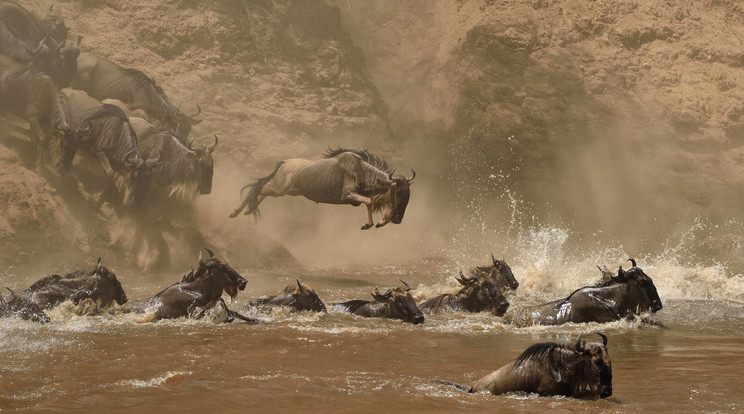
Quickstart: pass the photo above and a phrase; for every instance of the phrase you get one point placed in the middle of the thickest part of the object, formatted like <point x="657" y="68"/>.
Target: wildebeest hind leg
<point x="240" y="208"/>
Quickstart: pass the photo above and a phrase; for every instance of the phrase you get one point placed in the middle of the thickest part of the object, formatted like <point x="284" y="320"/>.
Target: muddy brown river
<point x="336" y="362"/>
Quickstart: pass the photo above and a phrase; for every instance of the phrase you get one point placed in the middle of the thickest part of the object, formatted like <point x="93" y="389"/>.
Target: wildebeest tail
<point x="256" y="191"/>
<point x="460" y="387"/>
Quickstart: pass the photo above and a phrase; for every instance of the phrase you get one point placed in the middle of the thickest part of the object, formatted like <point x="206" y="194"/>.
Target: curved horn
<point x="211" y="255"/>
<point x="408" y="288"/>
<point x="299" y="285"/>
<point x="493" y="259"/>
<point x="49" y="13"/>
<point x="216" y="141"/>
<point x="578" y="348"/>
<point x="201" y="259"/>
<point x="631" y="260"/>
<point x="198" y="111"/>
<point x="390" y="176"/>
<point x="604" y="338"/>
<point x="191" y="143"/>
<point x="410" y="180"/>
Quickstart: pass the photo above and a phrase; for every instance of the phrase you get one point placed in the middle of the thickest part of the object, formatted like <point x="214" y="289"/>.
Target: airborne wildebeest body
<point x="301" y="297"/>
<point x="103" y="79"/>
<point x="551" y="369"/>
<point x="30" y="94"/>
<point x="479" y="293"/>
<point x="21" y="307"/>
<point x="98" y="284"/>
<point x="197" y="292"/>
<point x="396" y="303"/>
<point x="628" y="293"/>
<point x="104" y="132"/>
<point x="342" y="177"/>
<point x="186" y="171"/>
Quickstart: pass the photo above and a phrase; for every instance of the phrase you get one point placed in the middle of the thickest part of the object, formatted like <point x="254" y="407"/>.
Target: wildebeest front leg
<point x="103" y="159"/>
<point x="352" y="196"/>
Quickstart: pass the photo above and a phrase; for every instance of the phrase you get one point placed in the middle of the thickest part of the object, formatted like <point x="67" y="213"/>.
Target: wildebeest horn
<point x="59" y="46"/>
<point x="98" y="265"/>
<point x="493" y="259"/>
<point x="216" y="140"/>
<point x="49" y="13"/>
<point x="191" y="143"/>
<point x="604" y="338"/>
<point x="299" y="285"/>
<point x="390" y="176"/>
<point x="631" y="260"/>
<point x="198" y="111"/>
<point x="579" y="348"/>
<point x="408" y="288"/>
<point x="77" y="43"/>
<point x="410" y="180"/>
<point x="211" y="255"/>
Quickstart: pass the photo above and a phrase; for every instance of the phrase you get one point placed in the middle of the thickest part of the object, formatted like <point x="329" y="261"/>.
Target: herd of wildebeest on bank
<point x="76" y="100"/>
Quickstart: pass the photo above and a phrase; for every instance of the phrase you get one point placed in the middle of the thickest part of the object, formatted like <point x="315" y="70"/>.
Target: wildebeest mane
<point x="140" y="79"/>
<point x="352" y="305"/>
<point x="370" y="158"/>
<point x="539" y="351"/>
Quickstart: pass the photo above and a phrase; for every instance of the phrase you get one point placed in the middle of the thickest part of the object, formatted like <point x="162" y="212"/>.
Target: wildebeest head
<point x="106" y="287"/>
<point x="57" y="29"/>
<point x="400" y="192"/>
<point x="227" y="278"/>
<point x="306" y="298"/>
<point x="641" y="289"/>
<point x="68" y="56"/>
<point x="486" y="293"/>
<point x="401" y="304"/>
<point x="594" y="372"/>
<point x="500" y="273"/>
<point x="205" y="164"/>
<point x="139" y="173"/>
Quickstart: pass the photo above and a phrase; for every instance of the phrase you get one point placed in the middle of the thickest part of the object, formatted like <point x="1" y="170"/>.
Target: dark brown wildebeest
<point x="104" y="131"/>
<point x="196" y="293"/>
<point x="580" y="371"/>
<point x="98" y="284"/>
<point x="343" y="176"/>
<point x="301" y="297"/>
<point x="500" y="272"/>
<point x="396" y="303"/>
<point x="479" y="294"/>
<point x="21" y="307"/>
<point x="30" y="94"/>
<point x="103" y="79"/>
<point x="629" y="293"/>
<point x="25" y="25"/>
<point x="185" y="170"/>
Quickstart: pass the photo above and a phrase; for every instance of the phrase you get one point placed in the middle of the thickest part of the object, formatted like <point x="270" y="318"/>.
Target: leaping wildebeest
<point x="342" y="176"/>
<point x="396" y="303"/>
<point x="550" y="369"/>
<point x="629" y="293"/>
<point x="98" y="284"/>
<point x="184" y="169"/>
<point x="104" y="131"/>
<point x="196" y="293"/>
<point x="104" y="79"/>
<point x="31" y="94"/>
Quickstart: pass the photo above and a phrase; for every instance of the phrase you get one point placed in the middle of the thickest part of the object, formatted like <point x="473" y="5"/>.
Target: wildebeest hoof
<point x="366" y="226"/>
<point x="235" y="214"/>
<point x="378" y="225"/>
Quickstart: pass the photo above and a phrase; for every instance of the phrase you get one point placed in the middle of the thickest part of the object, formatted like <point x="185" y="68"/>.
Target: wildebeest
<point x="343" y="176"/>
<point x="98" y="284"/>
<point x="500" y="272"/>
<point x="197" y="292"/>
<point x="104" y="131"/>
<point x="630" y="292"/>
<point x="300" y="297"/>
<point x="478" y="294"/>
<point x="104" y="79"/>
<point x="396" y="303"/>
<point x="30" y="94"/>
<point x="25" y="25"/>
<point x="185" y="170"/>
<point x="21" y="307"/>
<point x="580" y="371"/>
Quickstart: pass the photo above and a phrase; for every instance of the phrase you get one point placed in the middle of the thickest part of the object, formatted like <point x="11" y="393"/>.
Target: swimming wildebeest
<point x="343" y="176"/>
<point x="630" y="292"/>
<point x="580" y="371"/>
<point x="104" y="79"/>
<point x="104" y="131"/>
<point x="21" y="307"/>
<point x="30" y="94"/>
<point x="396" y="303"/>
<point x="300" y="297"/>
<point x="197" y="292"/>
<point x="184" y="169"/>
<point x="479" y="293"/>
<point x="500" y="272"/>
<point x="98" y="284"/>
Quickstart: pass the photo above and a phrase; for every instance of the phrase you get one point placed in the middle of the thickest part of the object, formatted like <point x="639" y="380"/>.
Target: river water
<point x="336" y="362"/>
